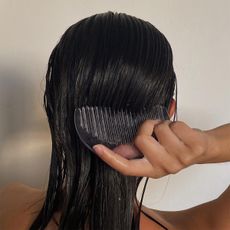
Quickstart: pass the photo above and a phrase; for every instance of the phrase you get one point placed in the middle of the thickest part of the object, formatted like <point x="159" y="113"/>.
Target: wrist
<point x="213" y="147"/>
<point x="218" y="144"/>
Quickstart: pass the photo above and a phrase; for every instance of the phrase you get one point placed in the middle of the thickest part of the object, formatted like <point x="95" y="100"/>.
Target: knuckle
<point x="139" y="139"/>
<point x="174" y="168"/>
<point x="159" y="127"/>
<point x="198" y="149"/>
<point x="155" y="173"/>
<point x="186" y="155"/>
<point x="176" y="125"/>
<point x="156" y="176"/>
<point x="185" y="160"/>
<point x="147" y="122"/>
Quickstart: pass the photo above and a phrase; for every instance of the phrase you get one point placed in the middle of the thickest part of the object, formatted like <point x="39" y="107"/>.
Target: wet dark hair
<point x="108" y="59"/>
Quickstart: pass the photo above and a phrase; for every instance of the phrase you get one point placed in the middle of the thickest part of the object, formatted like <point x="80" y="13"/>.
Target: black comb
<point x="103" y="125"/>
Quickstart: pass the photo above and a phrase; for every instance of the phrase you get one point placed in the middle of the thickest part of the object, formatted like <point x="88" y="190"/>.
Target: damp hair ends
<point x="108" y="59"/>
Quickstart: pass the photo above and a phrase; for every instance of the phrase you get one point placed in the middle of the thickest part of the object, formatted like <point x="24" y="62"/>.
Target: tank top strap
<point x="154" y="220"/>
<point x="55" y="221"/>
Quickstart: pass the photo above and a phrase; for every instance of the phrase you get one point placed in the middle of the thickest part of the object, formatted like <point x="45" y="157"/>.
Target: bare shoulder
<point x="16" y="201"/>
<point x="214" y="214"/>
<point x="15" y="195"/>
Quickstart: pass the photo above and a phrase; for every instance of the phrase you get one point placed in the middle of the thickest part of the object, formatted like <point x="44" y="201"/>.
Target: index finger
<point x="147" y="127"/>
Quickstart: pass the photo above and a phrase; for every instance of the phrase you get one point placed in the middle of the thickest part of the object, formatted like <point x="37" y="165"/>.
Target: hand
<point x="178" y="147"/>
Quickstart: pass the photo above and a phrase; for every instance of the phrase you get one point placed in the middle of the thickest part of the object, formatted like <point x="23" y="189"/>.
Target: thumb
<point x="129" y="151"/>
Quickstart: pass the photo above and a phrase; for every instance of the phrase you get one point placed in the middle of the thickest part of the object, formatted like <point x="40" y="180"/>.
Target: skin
<point x="21" y="203"/>
<point x="178" y="145"/>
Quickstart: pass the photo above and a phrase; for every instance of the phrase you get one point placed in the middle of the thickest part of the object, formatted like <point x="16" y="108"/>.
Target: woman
<point x="112" y="60"/>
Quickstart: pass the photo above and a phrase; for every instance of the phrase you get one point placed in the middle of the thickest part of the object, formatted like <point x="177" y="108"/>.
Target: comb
<point x="103" y="125"/>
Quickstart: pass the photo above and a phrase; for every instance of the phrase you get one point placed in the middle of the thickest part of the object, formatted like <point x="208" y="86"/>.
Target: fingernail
<point x="98" y="149"/>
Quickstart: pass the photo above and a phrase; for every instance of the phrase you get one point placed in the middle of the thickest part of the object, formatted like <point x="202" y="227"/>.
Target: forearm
<point x="219" y="147"/>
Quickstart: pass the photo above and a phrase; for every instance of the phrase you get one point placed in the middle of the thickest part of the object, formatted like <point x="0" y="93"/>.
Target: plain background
<point x="199" y="33"/>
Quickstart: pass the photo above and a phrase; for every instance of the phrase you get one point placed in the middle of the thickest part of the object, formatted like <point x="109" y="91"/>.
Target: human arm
<point x="183" y="147"/>
<point x="220" y="150"/>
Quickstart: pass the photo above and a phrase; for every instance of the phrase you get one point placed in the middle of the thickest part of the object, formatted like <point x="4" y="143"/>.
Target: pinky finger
<point x="135" y="167"/>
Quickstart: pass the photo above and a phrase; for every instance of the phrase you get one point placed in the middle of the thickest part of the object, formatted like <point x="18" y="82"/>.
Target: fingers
<point x="194" y="139"/>
<point x="175" y="147"/>
<point x="157" y="155"/>
<point x="166" y="136"/>
<point x="138" y="167"/>
<point x="182" y="130"/>
<point x="167" y="143"/>
<point x="135" y="167"/>
<point x="176" y="143"/>
<point x="128" y="151"/>
<point x="147" y="127"/>
<point x="162" y="132"/>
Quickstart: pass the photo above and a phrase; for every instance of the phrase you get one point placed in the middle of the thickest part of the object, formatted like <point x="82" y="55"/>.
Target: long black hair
<point x="108" y="59"/>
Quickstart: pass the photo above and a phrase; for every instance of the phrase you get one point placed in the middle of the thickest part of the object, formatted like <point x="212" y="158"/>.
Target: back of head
<point x="113" y="60"/>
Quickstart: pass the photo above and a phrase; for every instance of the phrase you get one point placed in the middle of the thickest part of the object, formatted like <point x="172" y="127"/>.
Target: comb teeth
<point x="103" y="125"/>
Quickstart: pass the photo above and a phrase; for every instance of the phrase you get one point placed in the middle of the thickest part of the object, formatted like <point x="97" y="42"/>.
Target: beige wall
<point x="199" y="33"/>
